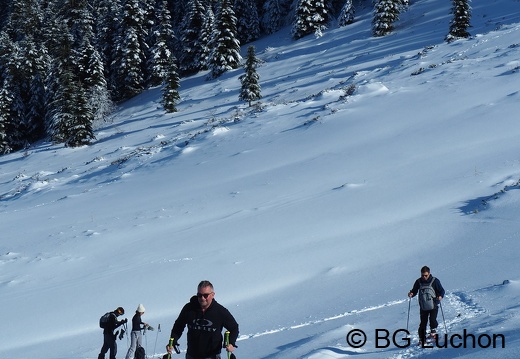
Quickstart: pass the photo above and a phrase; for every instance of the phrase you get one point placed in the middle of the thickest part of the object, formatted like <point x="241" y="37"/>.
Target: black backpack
<point x="104" y="319"/>
<point x="139" y="353"/>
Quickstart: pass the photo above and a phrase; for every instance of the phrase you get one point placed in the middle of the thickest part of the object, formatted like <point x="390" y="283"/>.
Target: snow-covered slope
<point x="311" y="214"/>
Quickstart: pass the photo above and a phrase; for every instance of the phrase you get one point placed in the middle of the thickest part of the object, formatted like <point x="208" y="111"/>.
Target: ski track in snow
<point x="313" y="322"/>
<point x="461" y="308"/>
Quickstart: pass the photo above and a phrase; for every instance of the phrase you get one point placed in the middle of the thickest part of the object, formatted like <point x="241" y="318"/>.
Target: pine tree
<point x="386" y="13"/>
<point x="275" y="15"/>
<point x="191" y="57"/>
<point x="6" y="116"/>
<point x="95" y="85"/>
<point x="250" y="89"/>
<point x="5" y="9"/>
<point x="248" y="22"/>
<point x="225" y="46"/>
<point x="69" y="114"/>
<point x="131" y="52"/>
<point x="311" y="17"/>
<point x="206" y="36"/>
<point x="80" y="122"/>
<point x="24" y="66"/>
<point x="460" y="23"/>
<point x="346" y="15"/>
<point x="170" y="93"/>
<point x="107" y="14"/>
<point x="162" y="50"/>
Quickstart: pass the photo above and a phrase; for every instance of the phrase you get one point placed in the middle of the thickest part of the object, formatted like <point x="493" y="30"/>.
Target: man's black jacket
<point x="205" y="328"/>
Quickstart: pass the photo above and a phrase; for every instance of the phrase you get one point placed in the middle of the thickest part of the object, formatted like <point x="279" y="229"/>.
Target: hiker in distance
<point x="136" y="336"/>
<point x="205" y="319"/>
<point x="430" y="292"/>
<point x="109" y="337"/>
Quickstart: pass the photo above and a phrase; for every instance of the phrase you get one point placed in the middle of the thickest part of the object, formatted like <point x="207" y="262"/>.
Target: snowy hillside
<point x="312" y="214"/>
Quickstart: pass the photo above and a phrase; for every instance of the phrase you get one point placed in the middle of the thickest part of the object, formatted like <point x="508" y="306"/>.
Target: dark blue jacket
<point x="436" y="285"/>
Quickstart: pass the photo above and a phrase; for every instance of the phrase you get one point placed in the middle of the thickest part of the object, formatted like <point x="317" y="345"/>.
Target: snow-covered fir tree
<point x="225" y="47"/>
<point x="461" y="11"/>
<point x="131" y="52"/>
<point x="170" y="92"/>
<point x="248" y="22"/>
<point x="191" y="59"/>
<point x="162" y="50"/>
<point x="386" y="13"/>
<point x="5" y="9"/>
<point x="206" y="36"/>
<point x="24" y="64"/>
<point x="70" y="116"/>
<point x="250" y="89"/>
<point x="311" y="18"/>
<point x="5" y="101"/>
<point x="70" y="122"/>
<point x="275" y="13"/>
<point x="346" y="15"/>
<point x="86" y="59"/>
<point x="106" y="14"/>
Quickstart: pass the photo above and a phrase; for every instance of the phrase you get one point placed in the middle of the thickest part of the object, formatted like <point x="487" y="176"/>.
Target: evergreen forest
<point x="66" y="64"/>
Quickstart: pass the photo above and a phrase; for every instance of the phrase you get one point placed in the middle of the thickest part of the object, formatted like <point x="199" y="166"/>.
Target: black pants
<point x="432" y="316"/>
<point x="109" y="343"/>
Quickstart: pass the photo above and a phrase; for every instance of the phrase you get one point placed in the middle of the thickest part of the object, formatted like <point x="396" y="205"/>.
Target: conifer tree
<point x="206" y="36"/>
<point x="7" y="114"/>
<point x="70" y="122"/>
<point x="25" y="66"/>
<point x="131" y="52"/>
<point x="162" y="50"/>
<point x="5" y="9"/>
<point x="386" y="13"/>
<point x="69" y="114"/>
<point x="86" y="60"/>
<point x="311" y="17"/>
<point x="275" y="15"/>
<point x="250" y="89"/>
<point x="225" y="46"/>
<point x="4" y="110"/>
<point x="248" y="22"/>
<point x="191" y="58"/>
<point x="170" y="92"/>
<point x="461" y="11"/>
<point x="107" y="14"/>
<point x="346" y="15"/>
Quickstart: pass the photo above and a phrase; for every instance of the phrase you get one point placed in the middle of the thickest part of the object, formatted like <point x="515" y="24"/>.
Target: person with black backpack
<point x="109" y="323"/>
<point x="430" y="292"/>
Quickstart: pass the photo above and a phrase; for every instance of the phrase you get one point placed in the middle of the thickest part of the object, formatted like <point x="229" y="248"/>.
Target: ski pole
<point x="408" y="319"/>
<point x="171" y="345"/>
<point x="145" y="338"/>
<point x="175" y="347"/>
<point x="157" y="336"/>
<point x="226" y="344"/>
<point x="444" y="320"/>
